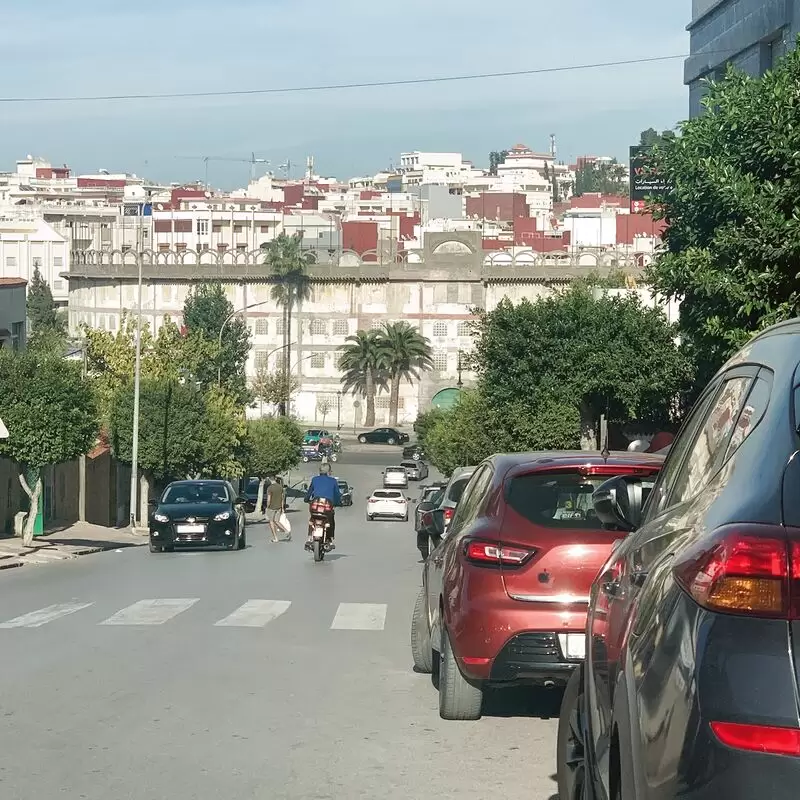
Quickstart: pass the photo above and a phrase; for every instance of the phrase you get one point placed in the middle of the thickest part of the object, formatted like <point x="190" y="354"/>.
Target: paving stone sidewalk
<point x="60" y="543"/>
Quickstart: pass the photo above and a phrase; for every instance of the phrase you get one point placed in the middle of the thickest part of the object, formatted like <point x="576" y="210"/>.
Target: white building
<point x="420" y="169"/>
<point x="28" y="243"/>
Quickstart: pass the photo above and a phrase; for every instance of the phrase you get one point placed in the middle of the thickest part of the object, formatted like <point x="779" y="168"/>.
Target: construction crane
<point x="252" y="161"/>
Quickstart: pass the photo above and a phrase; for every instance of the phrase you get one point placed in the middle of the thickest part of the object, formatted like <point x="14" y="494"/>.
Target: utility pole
<point x="137" y="375"/>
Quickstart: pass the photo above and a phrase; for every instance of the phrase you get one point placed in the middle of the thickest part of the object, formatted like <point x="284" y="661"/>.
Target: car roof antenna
<point x="604" y="451"/>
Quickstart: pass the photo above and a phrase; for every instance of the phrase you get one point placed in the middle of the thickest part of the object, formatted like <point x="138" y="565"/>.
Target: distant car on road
<point x="383" y="436"/>
<point x="387" y="503"/>
<point x="416" y="470"/>
<point x="505" y="594"/>
<point x="249" y="489"/>
<point x="395" y="477"/>
<point x="198" y="514"/>
<point x="414" y="451"/>
<point x="313" y="435"/>
<point x="346" y="491"/>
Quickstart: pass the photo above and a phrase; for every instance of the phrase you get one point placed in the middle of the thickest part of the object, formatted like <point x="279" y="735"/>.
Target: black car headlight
<point x="159" y="517"/>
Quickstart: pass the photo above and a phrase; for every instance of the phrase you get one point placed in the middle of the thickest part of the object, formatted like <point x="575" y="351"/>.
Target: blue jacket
<point x="326" y="487"/>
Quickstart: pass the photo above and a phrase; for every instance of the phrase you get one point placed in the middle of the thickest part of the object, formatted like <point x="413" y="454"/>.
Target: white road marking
<point x="41" y="617"/>
<point x="255" y="614"/>
<point x="360" y="617"/>
<point x="151" y="612"/>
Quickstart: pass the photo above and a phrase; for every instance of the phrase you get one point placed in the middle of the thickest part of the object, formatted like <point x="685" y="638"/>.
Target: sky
<point x="53" y="48"/>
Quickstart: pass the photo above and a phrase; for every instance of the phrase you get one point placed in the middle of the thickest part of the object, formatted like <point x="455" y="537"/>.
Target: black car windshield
<point x="200" y="493"/>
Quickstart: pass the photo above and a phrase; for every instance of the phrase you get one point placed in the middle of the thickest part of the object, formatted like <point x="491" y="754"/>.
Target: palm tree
<point x="408" y="354"/>
<point x="363" y="364"/>
<point x="291" y="284"/>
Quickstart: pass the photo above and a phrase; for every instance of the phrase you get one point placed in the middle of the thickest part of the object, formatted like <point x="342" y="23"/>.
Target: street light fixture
<point x="222" y="330"/>
<point x="137" y="380"/>
<point x="460" y="383"/>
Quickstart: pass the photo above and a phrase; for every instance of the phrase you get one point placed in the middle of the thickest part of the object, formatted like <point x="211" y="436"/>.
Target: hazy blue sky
<point x="90" y="47"/>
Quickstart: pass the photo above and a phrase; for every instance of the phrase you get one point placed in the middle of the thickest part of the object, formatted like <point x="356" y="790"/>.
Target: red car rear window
<point x="557" y="500"/>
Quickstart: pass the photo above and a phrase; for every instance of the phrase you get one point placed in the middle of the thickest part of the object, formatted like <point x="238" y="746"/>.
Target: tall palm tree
<point x="291" y="284"/>
<point x="363" y="364"/>
<point x="408" y="354"/>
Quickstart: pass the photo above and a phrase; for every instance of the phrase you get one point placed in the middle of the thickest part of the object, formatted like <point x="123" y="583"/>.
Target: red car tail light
<point x="744" y="569"/>
<point x="448" y="515"/>
<point x="758" y="738"/>
<point x="495" y="554"/>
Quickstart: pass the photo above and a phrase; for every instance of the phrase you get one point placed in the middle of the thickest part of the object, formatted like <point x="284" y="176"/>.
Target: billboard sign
<point x="644" y="183"/>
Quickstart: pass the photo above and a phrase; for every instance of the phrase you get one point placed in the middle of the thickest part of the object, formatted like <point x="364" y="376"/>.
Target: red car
<point x="505" y="595"/>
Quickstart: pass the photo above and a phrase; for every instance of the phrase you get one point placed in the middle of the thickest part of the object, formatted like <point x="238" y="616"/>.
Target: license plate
<point x="573" y="645"/>
<point x="191" y="528"/>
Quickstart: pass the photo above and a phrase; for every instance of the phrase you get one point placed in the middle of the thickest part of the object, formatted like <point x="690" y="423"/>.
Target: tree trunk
<point x="369" y="421"/>
<point x="33" y="495"/>
<point x="588" y="429"/>
<point x="260" y="495"/>
<point x="394" y="399"/>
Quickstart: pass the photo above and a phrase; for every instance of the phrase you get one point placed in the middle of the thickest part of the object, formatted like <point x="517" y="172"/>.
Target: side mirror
<point x="618" y="502"/>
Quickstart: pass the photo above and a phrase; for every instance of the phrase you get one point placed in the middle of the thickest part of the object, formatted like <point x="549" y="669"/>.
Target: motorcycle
<point x="318" y="544"/>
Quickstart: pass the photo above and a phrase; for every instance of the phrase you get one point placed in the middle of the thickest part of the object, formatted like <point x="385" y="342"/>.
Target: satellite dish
<point x="3" y="430"/>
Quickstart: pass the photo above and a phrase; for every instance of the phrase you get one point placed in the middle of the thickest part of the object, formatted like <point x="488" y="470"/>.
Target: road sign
<point x="3" y="430"/>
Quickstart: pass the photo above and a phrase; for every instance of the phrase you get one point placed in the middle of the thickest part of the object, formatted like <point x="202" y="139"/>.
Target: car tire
<point x="405" y="519"/>
<point x="571" y="770"/>
<point x="362" y="439"/>
<point x="421" y="636"/>
<point x="458" y="698"/>
<point x="390" y="440"/>
<point x="155" y="548"/>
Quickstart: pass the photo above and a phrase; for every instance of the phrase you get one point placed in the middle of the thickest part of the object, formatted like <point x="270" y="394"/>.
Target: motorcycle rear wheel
<point x="319" y="550"/>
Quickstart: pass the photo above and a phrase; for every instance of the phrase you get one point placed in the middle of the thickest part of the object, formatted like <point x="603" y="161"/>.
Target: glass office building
<point x="751" y="34"/>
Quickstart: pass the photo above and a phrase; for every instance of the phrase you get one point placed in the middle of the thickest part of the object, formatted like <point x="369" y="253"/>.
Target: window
<point x="476" y="294"/>
<point x="202" y="227"/>
<point x="241" y="248"/>
<point x="452" y="292"/>
<point x="319" y="327"/>
<point x="112" y="322"/>
<point x="440" y="329"/>
<point x="11" y="261"/>
<point x="262" y="326"/>
<point x="317" y="361"/>
<point x="58" y="261"/>
<point x="58" y="285"/>
<point x="261" y="359"/>
<point x="562" y="500"/>
<point x="280" y="326"/>
<point x="464" y="329"/>
<point x="376" y="324"/>
<point x="382" y="403"/>
<point x="470" y="503"/>
<point x="340" y="327"/>
<point x="440" y="361"/>
<point x="456" y="488"/>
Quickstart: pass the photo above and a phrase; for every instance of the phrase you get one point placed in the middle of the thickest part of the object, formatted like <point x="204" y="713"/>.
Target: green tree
<point x="49" y="409"/>
<point x="291" y="283"/>
<point x="273" y="387"/>
<point x="171" y="428"/>
<point x="224" y="430"/>
<point x="605" y="177"/>
<point x="48" y="324"/>
<point x="651" y="137"/>
<point x="732" y="245"/>
<point x="408" y="354"/>
<point x="207" y="312"/>
<point x="363" y="363"/>
<point x="496" y="158"/>
<point x="271" y="448"/>
<point x="585" y="349"/>
<point x="425" y="422"/>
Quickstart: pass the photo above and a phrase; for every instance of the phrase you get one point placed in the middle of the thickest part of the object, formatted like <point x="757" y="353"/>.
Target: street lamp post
<point x="137" y="379"/>
<point x="460" y="383"/>
<point x="339" y="410"/>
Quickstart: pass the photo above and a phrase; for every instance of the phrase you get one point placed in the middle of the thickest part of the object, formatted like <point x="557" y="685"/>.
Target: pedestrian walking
<point x="276" y="496"/>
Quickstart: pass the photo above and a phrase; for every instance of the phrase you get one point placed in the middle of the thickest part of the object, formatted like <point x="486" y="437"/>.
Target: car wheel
<point x="390" y="440"/>
<point x="458" y="698"/>
<point x="405" y="519"/>
<point x="416" y="457"/>
<point x="362" y="439"/>
<point x="571" y="770"/>
<point x="155" y="548"/>
<point x="421" y="636"/>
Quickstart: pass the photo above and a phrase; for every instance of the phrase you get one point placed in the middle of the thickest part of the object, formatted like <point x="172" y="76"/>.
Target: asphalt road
<point x="253" y="674"/>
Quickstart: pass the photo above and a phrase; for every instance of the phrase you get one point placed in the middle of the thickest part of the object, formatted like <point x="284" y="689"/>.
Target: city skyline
<point x="351" y="131"/>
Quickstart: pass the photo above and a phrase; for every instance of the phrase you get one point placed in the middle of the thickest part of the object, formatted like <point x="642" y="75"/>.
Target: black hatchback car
<point x="383" y="436"/>
<point x="198" y="514"/>
<point x="692" y="675"/>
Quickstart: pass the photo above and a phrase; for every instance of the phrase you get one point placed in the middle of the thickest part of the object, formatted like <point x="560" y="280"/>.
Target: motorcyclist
<point x="325" y="487"/>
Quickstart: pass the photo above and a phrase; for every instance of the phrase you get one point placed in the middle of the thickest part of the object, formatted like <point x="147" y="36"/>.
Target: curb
<point x="65" y="556"/>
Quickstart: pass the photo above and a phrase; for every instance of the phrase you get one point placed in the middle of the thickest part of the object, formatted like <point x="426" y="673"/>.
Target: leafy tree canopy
<point x="364" y="362"/>
<point x="272" y="446"/>
<point x="273" y="386"/>
<point x="605" y="177"/>
<point x="583" y="349"/>
<point x="43" y="314"/>
<point x="651" y="137"/>
<point x="48" y="407"/>
<point x="732" y="245"/>
<point x="223" y="435"/>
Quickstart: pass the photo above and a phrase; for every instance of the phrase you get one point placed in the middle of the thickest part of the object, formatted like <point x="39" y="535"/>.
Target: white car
<point x="387" y="503"/>
<point x="395" y="478"/>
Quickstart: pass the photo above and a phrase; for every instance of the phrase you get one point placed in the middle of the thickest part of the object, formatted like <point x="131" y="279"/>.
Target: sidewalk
<point x="71" y="541"/>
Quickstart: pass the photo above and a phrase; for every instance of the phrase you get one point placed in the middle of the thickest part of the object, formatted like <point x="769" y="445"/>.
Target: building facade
<point x="12" y="313"/>
<point x="750" y="34"/>
<point x="437" y="289"/>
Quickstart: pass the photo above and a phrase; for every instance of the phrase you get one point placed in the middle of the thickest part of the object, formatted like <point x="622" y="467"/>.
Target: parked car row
<point x="662" y="592"/>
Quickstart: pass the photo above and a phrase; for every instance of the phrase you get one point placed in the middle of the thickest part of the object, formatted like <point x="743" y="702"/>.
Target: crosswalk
<point x="254" y="613"/>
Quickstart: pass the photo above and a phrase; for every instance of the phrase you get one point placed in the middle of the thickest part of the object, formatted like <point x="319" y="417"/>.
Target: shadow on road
<point x="523" y="701"/>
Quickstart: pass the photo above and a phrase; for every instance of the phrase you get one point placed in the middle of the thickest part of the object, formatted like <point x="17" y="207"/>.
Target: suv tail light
<point x="496" y="554"/>
<point x="744" y="569"/>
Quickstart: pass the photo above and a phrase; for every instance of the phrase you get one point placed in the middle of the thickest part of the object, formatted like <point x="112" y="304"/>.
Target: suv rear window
<point x="559" y="500"/>
<point x="457" y="489"/>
